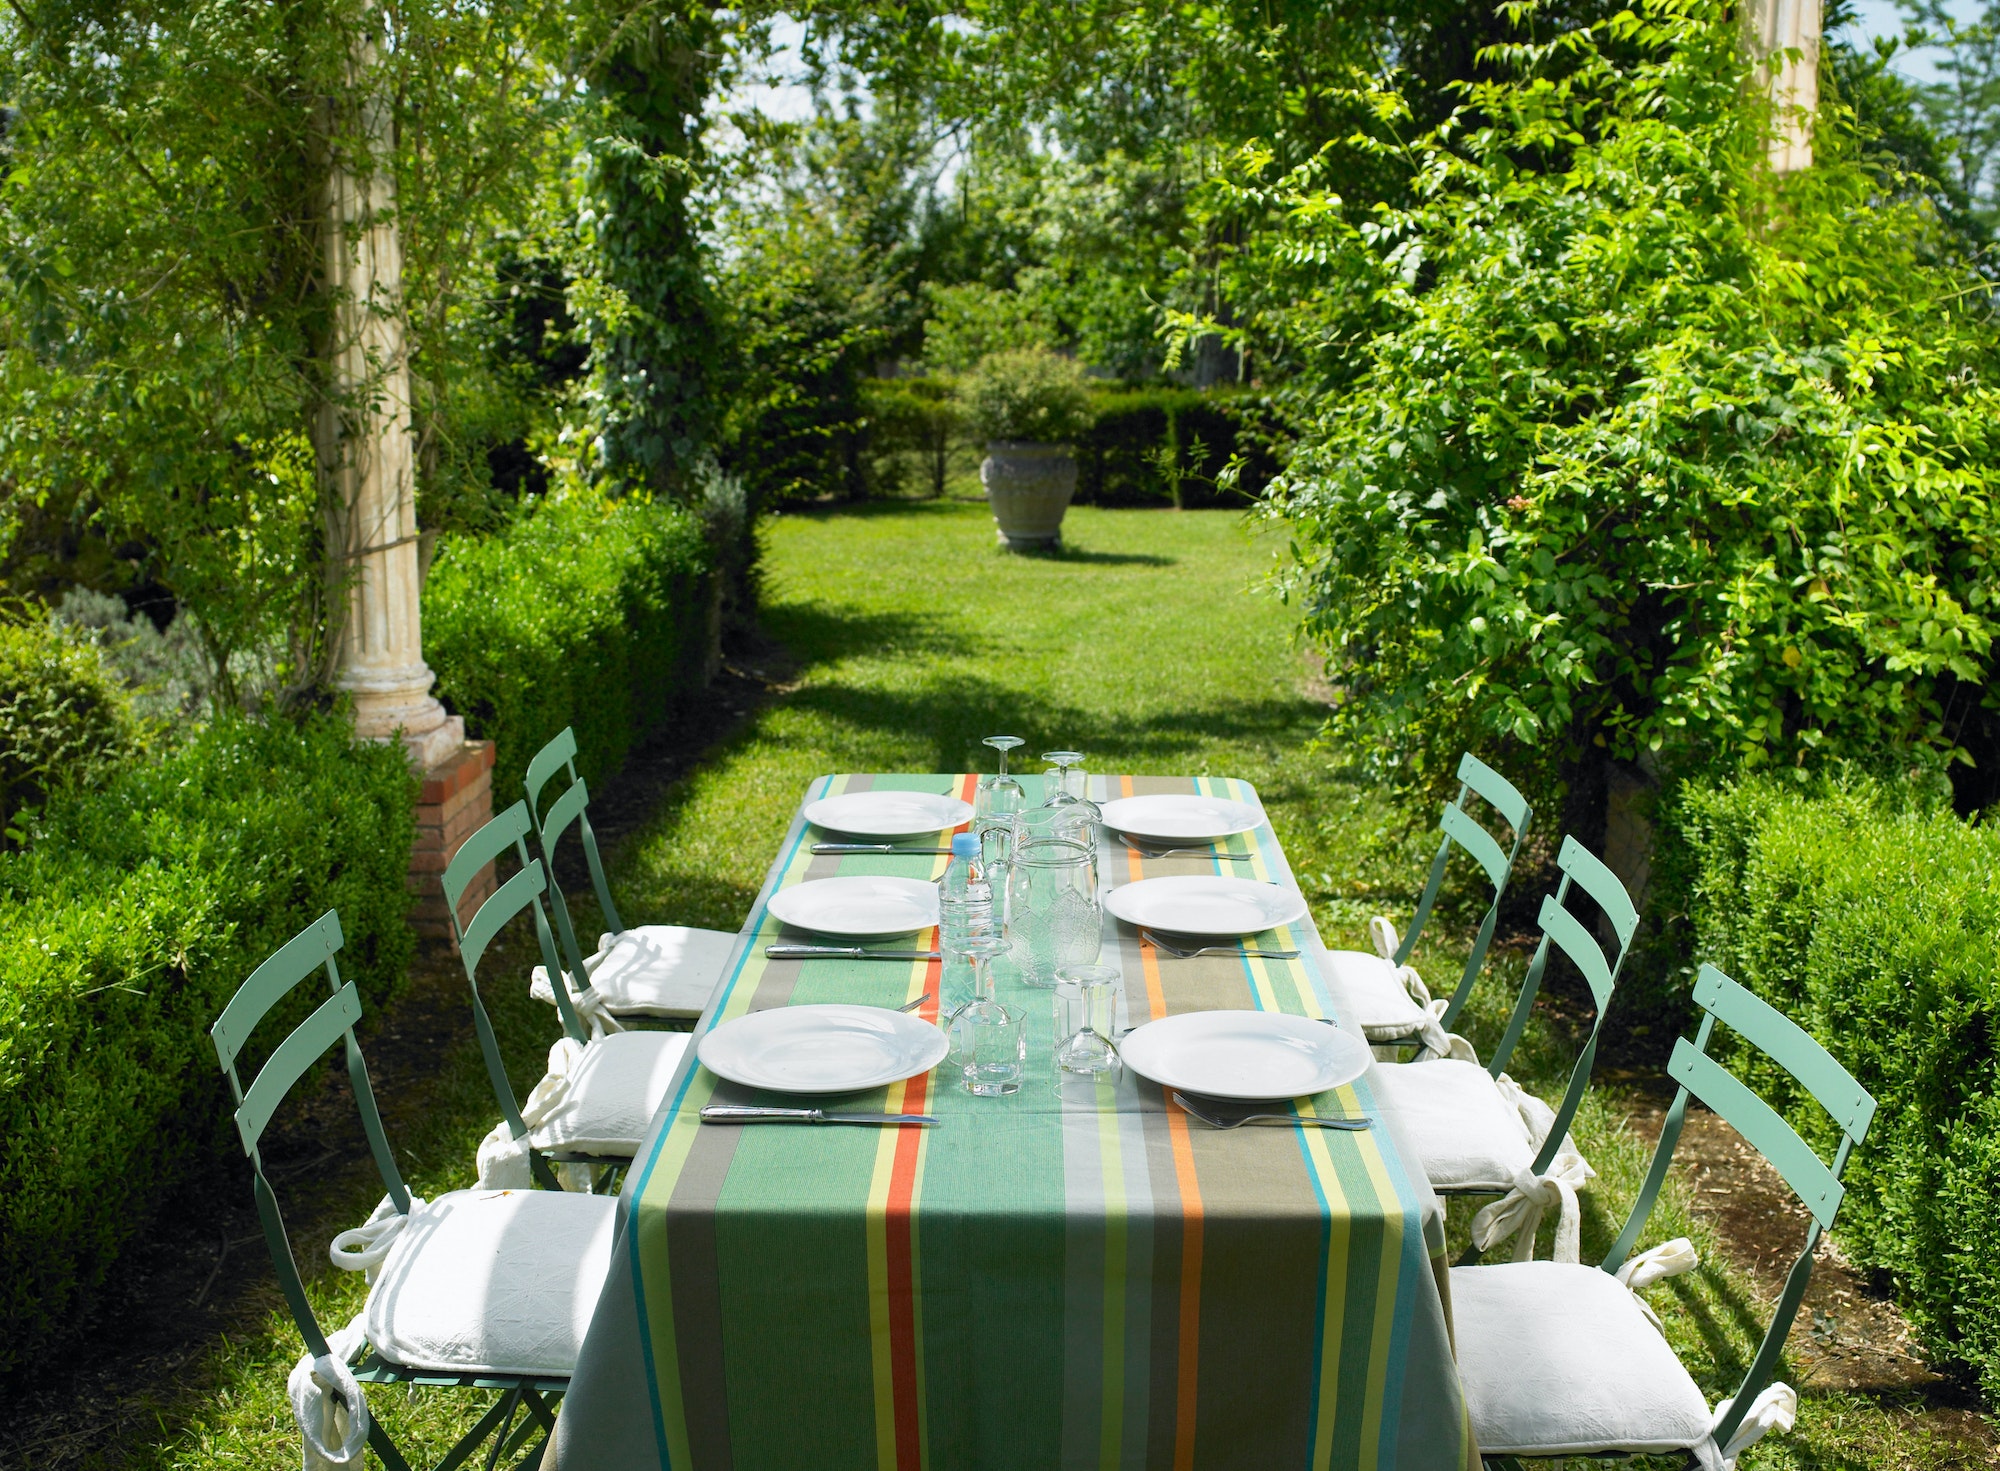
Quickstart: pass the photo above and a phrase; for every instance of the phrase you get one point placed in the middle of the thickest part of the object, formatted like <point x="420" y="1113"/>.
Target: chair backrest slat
<point x="1790" y="1046"/>
<point x="504" y="830"/>
<point x="1760" y="1124"/>
<point x="1477" y="842"/>
<point x="572" y="807"/>
<point x="291" y="1058"/>
<point x="1598" y="881"/>
<point x="1500" y="793"/>
<point x="505" y="902"/>
<point x="1580" y="946"/>
<point x="565" y="810"/>
<point x="546" y="762"/>
<point x="1460" y="827"/>
<point x="269" y="983"/>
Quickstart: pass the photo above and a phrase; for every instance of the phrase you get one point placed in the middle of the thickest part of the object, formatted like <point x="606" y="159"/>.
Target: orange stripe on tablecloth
<point x="1190" y="1325"/>
<point x="902" y="1283"/>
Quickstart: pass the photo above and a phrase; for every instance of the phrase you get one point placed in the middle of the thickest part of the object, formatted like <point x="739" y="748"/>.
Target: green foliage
<point x="647" y="308"/>
<point x="140" y="908"/>
<point x="1182" y="446"/>
<point x="1961" y="101"/>
<point x="912" y="423"/>
<point x="63" y="717"/>
<point x="1617" y="442"/>
<point x="1026" y="396"/>
<point x="1871" y="916"/>
<point x="583" y="612"/>
<point x="163" y="312"/>
<point x="970" y="320"/>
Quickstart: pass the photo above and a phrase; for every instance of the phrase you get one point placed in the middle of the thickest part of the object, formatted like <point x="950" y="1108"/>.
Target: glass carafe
<point x="1054" y="917"/>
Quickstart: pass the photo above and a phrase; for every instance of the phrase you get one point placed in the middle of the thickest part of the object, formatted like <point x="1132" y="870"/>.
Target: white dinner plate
<point x="822" y="1049"/>
<point x="888" y="814"/>
<point x="1244" y="1054"/>
<point x="1206" y="904"/>
<point x="1182" y="819"/>
<point x="858" y="906"/>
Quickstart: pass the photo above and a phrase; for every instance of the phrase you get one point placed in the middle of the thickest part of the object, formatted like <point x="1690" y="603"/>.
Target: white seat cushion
<point x="1381" y="1004"/>
<point x="494" y="1282"/>
<point x="655" y="970"/>
<point x="1560" y="1360"/>
<point x="615" y="1088"/>
<point x="1470" y="1136"/>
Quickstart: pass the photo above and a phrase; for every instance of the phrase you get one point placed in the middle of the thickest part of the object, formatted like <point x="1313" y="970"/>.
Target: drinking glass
<point x="1086" y="1013"/>
<point x="989" y="1041"/>
<point x="1000" y="794"/>
<point x="1068" y="783"/>
<point x="1054" y="917"/>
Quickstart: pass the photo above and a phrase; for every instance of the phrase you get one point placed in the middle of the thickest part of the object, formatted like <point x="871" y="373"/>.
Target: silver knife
<point x="731" y="1113"/>
<point x="850" y="952"/>
<point x="872" y="848"/>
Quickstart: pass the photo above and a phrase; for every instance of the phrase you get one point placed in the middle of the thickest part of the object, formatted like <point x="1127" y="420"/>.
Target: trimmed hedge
<point x="1143" y="440"/>
<point x="132" y="918"/>
<point x="1873" y="920"/>
<point x="585" y="613"/>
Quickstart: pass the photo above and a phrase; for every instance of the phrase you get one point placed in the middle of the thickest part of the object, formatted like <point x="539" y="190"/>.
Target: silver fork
<point x="1179" y="954"/>
<point x="1317" y="1121"/>
<point x="1205" y="852"/>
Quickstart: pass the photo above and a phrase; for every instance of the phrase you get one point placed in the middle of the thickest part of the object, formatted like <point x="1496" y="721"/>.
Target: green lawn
<point x="1145" y="644"/>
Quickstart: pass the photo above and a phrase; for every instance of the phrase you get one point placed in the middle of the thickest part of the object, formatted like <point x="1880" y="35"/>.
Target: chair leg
<point x="513" y="1404"/>
<point x="474" y="1438"/>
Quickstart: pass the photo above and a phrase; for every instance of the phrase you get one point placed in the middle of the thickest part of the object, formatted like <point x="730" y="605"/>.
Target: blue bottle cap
<point x="964" y="845"/>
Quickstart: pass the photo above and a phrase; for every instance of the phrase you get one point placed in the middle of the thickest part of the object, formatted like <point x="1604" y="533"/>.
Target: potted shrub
<point x="1029" y="406"/>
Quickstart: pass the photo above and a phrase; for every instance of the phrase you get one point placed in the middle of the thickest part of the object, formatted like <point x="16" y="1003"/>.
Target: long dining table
<point x="1079" y="1275"/>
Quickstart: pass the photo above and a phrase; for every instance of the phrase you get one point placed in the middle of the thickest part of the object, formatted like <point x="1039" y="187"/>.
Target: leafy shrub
<point x="1617" y="443"/>
<point x="1026" y="396"/>
<point x="62" y="714"/>
<point x="584" y="613"/>
<point x="1872" y="918"/>
<point x="1146" y="446"/>
<point x="124" y="929"/>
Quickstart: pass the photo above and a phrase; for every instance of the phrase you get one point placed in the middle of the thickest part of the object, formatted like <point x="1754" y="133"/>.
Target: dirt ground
<point x="1849" y="1334"/>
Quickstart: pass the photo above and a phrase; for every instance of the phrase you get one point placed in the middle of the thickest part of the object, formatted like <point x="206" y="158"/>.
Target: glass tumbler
<point x="995" y="1048"/>
<point x="1054" y="917"/>
<point x="1086" y="1014"/>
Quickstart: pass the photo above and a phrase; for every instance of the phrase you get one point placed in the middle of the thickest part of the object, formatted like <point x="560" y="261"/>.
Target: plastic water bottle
<point x="965" y="898"/>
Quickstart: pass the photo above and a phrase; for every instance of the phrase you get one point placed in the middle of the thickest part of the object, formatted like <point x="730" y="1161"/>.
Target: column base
<point x="456" y="801"/>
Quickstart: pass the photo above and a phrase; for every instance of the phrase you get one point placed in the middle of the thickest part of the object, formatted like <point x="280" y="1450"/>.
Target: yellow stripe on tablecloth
<point x="1332" y="1309"/>
<point x="878" y="1286"/>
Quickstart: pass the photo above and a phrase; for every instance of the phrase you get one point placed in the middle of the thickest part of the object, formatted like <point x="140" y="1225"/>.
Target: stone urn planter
<point x="1029" y="487"/>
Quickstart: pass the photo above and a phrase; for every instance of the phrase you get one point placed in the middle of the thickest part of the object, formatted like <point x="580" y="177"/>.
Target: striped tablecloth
<point x="1071" y="1277"/>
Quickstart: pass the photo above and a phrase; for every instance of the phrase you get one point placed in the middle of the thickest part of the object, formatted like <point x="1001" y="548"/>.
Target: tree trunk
<point x="1776" y="27"/>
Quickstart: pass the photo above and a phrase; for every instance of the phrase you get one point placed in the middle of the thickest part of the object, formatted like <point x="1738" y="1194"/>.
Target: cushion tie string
<point x="327" y="1402"/>
<point x="1519" y="1212"/>
<point x="1667" y="1260"/>
<point x="1777" y="1408"/>
<point x="503" y="1158"/>
<point x="1437" y="1042"/>
<point x="364" y="1247"/>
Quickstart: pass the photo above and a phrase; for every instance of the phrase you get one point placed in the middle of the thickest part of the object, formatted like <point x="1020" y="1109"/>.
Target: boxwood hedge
<point x="592" y="614"/>
<point x="1874" y="921"/>
<point x="132" y="916"/>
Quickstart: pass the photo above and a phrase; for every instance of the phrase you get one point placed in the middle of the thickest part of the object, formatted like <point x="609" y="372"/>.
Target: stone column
<point x="1778" y="26"/>
<point x="364" y="442"/>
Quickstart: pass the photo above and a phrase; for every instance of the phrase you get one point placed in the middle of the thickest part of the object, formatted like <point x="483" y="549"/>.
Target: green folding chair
<point x="1475" y="1130"/>
<point x="655" y="970"/>
<point x="1566" y="1360"/>
<point x="437" y="1265"/>
<point x="1390" y="1004"/>
<point x="599" y="1096"/>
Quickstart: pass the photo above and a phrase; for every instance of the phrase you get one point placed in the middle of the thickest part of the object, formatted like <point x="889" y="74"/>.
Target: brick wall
<point x="456" y="801"/>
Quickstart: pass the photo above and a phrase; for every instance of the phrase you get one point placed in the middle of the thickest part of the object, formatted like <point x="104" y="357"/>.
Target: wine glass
<point x="989" y="1041"/>
<point x="999" y="795"/>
